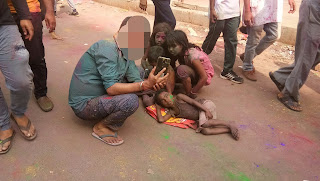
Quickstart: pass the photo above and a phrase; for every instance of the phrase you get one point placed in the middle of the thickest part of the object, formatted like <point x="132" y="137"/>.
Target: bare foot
<point x="100" y="129"/>
<point x="234" y="132"/>
<point x="55" y="36"/>
<point x="4" y="135"/>
<point x="23" y="121"/>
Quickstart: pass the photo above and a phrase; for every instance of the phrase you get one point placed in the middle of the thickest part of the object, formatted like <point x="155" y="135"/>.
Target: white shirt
<point x="266" y="11"/>
<point x="226" y="9"/>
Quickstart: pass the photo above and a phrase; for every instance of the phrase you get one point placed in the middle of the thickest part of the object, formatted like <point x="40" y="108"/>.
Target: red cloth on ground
<point x="177" y="122"/>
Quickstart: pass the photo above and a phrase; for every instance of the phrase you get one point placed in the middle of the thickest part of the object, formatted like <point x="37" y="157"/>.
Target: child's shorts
<point x="211" y="107"/>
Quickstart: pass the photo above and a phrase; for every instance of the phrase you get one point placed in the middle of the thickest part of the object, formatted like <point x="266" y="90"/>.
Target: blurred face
<point x="175" y="49"/>
<point x="167" y="99"/>
<point x="160" y="38"/>
<point x="134" y="37"/>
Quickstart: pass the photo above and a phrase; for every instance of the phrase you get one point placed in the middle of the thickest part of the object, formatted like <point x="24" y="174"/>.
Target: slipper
<point x="25" y="129"/>
<point x="289" y="102"/>
<point x="107" y="135"/>
<point x="2" y="142"/>
<point x="279" y="86"/>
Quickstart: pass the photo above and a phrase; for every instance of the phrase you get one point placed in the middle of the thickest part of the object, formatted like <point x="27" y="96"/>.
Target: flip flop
<point x="2" y="142"/>
<point x="279" y="86"/>
<point x="289" y="102"/>
<point x="107" y="135"/>
<point x="25" y="129"/>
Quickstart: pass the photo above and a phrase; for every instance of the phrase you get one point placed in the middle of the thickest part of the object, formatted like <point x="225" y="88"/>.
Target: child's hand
<point x="209" y="115"/>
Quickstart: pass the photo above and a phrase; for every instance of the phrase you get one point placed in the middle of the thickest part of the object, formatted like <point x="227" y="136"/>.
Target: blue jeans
<point x="254" y="46"/>
<point x="14" y="65"/>
<point x="163" y="13"/>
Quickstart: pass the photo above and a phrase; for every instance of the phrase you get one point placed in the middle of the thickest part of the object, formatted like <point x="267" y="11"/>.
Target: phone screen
<point x="162" y="62"/>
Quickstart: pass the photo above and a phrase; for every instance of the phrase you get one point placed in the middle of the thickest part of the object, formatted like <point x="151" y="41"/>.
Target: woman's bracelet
<point x="141" y="88"/>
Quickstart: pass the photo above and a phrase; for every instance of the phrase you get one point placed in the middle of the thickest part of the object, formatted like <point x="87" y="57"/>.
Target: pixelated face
<point x="133" y="38"/>
<point x="160" y="38"/>
<point x="167" y="99"/>
<point x="175" y="50"/>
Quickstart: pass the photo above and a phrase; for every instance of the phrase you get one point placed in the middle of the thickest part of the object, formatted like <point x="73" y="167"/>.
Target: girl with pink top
<point x="195" y="69"/>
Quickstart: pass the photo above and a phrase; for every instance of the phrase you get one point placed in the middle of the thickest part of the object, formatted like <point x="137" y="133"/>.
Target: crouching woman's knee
<point x="130" y="103"/>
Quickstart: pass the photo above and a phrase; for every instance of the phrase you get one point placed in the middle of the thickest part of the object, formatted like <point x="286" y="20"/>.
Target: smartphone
<point x="162" y="62"/>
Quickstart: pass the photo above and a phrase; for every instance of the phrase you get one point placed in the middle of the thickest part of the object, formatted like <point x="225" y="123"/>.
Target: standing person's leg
<point x="215" y="30"/>
<point x="18" y="75"/>
<point x="163" y="13"/>
<point x="113" y="110"/>
<point x="280" y="76"/>
<point x="307" y="50"/>
<point x="254" y="33"/>
<point x="37" y="63"/>
<point x="230" y="49"/>
<point x="271" y="36"/>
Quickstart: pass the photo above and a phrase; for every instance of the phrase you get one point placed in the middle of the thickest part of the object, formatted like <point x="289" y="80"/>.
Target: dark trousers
<point x="229" y="28"/>
<point x="163" y="13"/>
<point x="36" y="51"/>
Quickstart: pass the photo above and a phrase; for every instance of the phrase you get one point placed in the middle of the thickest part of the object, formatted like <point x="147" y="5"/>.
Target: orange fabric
<point x="177" y="122"/>
<point x="34" y="6"/>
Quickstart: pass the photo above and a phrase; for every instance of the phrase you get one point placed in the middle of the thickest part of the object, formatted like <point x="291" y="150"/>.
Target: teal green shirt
<point x="98" y="69"/>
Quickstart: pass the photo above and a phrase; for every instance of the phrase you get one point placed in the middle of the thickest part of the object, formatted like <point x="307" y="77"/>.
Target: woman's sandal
<point x="2" y="142"/>
<point x="25" y="129"/>
<point x="107" y="135"/>
<point x="289" y="102"/>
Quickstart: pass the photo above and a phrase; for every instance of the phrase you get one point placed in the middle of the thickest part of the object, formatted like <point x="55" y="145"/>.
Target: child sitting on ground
<point x="153" y="54"/>
<point x="195" y="69"/>
<point x="203" y="111"/>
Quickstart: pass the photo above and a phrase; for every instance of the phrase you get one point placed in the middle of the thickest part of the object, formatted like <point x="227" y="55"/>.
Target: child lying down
<point x="203" y="111"/>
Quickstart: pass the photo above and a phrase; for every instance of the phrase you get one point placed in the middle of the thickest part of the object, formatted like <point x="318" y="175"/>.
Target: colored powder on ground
<point x="282" y="144"/>
<point x="240" y="176"/>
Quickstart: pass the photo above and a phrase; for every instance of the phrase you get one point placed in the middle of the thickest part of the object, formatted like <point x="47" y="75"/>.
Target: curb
<point x="196" y="17"/>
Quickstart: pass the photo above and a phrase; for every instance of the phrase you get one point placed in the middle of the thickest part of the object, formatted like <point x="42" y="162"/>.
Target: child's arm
<point x="161" y="118"/>
<point x="195" y="103"/>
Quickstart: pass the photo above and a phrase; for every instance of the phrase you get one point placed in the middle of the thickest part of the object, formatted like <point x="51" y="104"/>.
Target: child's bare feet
<point x="55" y="36"/>
<point x="234" y="132"/>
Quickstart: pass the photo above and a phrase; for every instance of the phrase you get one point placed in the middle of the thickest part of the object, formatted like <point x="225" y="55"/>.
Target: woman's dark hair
<point x="179" y="37"/>
<point x="154" y="53"/>
<point x="157" y="100"/>
<point x="125" y="21"/>
<point x="160" y="27"/>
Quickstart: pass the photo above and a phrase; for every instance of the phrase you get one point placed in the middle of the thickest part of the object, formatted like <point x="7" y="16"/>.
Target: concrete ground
<point x="275" y="143"/>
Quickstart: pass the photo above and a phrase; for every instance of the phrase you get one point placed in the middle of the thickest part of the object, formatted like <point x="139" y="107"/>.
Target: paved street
<point x="275" y="143"/>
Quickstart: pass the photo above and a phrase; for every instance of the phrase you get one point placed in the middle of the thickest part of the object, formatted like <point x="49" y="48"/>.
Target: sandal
<point x="289" y="102"/>
<point x="2" y="142"/>
<point x="107" y="135"/>
<point x="279" y="86"/>
<point x="25" y="129"/>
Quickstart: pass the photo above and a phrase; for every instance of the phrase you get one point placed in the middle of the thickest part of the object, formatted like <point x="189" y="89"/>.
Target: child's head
<point x="164" y="98"/>
<point x="177" y="42"/>
<point x="158" y="36"/>
<point x="154" y="53"/>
